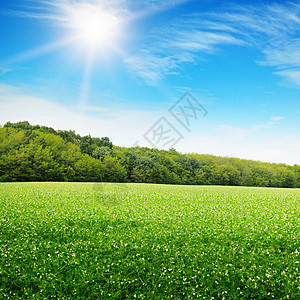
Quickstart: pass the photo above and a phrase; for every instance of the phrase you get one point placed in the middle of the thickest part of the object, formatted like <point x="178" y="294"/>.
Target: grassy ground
<point x="101" y="241"/>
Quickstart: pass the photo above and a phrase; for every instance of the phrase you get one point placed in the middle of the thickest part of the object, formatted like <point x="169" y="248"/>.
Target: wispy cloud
<point x="200" y="41"/>
<point x="69" y="13"/>
<point x="277" y="118"/>
<point x="4" y="71"/>
<point x="270" y="29"/>
<point x="283" y="56"/>
<point x="243" y="132"/>
<point x="62" y="10"/>
<point x="170" y="55"/>
<point x="152" y="67"/>
<point x="292" y="75"/>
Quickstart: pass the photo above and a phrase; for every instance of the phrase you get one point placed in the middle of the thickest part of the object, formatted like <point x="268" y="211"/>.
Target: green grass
<point x="96" y="241"/>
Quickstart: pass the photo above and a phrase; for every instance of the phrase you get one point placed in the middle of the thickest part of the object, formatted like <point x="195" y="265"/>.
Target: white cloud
<point x="4" y="71"/>
<point x="277" y="118"/>
<point x="171" y="54"/>
<point x="126" y="127"/>
<point x="200" y="41"/>
<point x="283" y="56"/>
<point x="271" y="29"/>
<point x="123" y="127"/>
<point x="291" y="75"/>
<point x="62" y="10"/>
<point x="280" y="149"/>
<point x="153" y="67"/>
<point x="243" y="132"/>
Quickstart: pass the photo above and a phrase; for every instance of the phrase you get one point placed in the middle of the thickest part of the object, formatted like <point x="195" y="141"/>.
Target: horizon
<point x="117" y="68"/>
<point x="170" y="149"/>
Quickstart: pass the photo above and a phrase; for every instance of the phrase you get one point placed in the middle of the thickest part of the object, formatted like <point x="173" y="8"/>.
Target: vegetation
<point x="144" y="241"/>
<point x="40" y="153"/>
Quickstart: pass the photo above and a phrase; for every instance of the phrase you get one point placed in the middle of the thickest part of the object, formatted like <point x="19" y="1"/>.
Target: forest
<point x="40" y="153"/>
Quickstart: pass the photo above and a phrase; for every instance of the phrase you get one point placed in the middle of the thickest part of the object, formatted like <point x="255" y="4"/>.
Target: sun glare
<point x="94" y="27"/>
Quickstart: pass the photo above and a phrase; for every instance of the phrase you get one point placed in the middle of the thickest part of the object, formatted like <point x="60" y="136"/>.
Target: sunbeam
<point x="38" y="51"/>
<point x="85" y="84"/>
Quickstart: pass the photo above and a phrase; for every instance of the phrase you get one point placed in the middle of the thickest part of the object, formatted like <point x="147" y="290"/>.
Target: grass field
<point x="101" y="241"/>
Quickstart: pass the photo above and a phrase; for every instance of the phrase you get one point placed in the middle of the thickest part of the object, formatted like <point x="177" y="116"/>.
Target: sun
<point x="94" y="27"/>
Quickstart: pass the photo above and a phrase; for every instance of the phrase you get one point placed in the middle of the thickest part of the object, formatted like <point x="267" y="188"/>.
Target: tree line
<point x="41" y="153"/>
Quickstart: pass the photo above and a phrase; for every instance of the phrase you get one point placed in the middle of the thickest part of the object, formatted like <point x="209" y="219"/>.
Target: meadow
<point x="144" y="241"/>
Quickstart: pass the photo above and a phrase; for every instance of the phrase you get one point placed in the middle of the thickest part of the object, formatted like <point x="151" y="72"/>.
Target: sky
<point x="211" y="77"/>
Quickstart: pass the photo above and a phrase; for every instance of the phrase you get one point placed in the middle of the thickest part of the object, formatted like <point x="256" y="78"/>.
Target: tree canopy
<point x="41" y="153"/>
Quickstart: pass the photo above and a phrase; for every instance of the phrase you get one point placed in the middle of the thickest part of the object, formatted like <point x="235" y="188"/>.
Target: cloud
<point x="283" y="56"/>
<point x="270" y="29"/>
<point x="62" y="10"/>
<point x="200" y="41"/>
<point x="243" y="132"/>
<point x="154" y="67"/>
<point x="124" y="127"/>
<point x="277" y="118"/>
<point x="291" y="75"/>
<point x="4" y="71"/>
<point x="229" y="129"/>
<point x="170" y="55"/>
<point x="278" y="149"/>
<point x="68" y="14"/>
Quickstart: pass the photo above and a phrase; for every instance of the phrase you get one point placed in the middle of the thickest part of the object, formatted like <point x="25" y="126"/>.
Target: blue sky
<point x="113" y="68"/>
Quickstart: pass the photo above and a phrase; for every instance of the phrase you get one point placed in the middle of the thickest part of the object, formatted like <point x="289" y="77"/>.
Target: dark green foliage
<point x="69" y="136"/>
<point x="40" y="153"/>
<point x="89" y="144"/>
<point x="113" y="170"/>
<point x="101" y="152"/>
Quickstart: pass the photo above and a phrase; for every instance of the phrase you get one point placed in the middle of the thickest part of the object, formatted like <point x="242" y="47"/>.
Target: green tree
<point x="101" y="152"/>
<point x="33" y="152"/>
<point x="286" y="178"/>
<point x="225" y="175"/>
<point x="88" y="169"/>
<point x="113" y="170"/>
